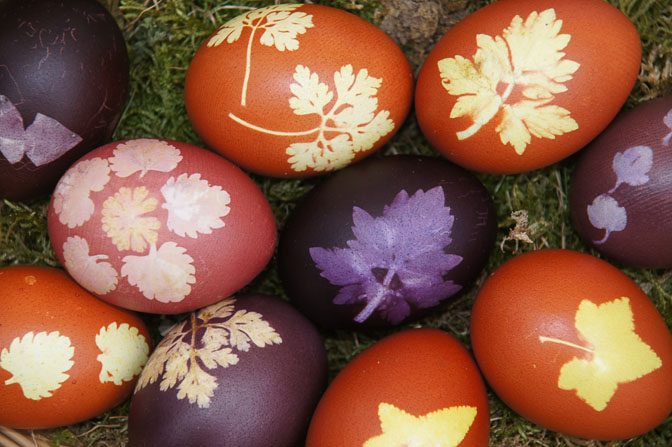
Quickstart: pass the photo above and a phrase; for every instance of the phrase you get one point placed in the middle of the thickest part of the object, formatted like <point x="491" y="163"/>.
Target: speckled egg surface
<point x="385" y="241"/>
<point x="63" y="82"/>
<point x="621" y="190"/>
<point x="415" y="387"/>
<point x="160" y="226"/>
<point x="65" y="356"/>
<point x="573" y="344"/>
<point x="294" y="90"/>
<point x="521" y="84"/>
<point x="247" y="371"/>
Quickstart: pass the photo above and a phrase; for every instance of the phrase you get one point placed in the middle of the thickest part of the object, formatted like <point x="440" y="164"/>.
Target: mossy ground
<point x="162" y="37"/>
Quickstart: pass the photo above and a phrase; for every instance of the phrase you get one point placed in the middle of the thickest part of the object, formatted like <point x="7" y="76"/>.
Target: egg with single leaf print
<point x="160" y="226"/>
<point x="571" y="343"/>
<point x="297" y="90"/>
<point x="65" y="356"/>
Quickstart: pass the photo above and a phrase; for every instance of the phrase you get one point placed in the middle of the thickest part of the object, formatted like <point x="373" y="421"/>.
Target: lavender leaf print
<point x="668" y="122"/>
<point x="605" y="213"/>
<point x="397" y="260"/>
<point x="632" y="166"/>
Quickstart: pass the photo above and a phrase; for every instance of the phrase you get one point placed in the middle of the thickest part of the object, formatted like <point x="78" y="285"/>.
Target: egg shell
<point x="160" y="226"/>
<point x="501" y="92"/>
<point x="65" y="356"/>
<point x="276" y="89"/>
<point x="417" y="382"/>
<point x="251" y="378"/>
<point x="415" y="229"/>
<point x="573" y="344"/>
<point x="621" y="190"/>
<point x="64" y="74"/>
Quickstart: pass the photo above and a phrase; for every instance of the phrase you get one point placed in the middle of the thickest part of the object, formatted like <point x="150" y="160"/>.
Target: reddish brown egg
<point x="416" y="387"/>
<point x="521" y="84"/>
<point x="573" y="344"/>
<point x="621" y="191"/>
<point x="65" y="356"/>
<point x="63" y="82"/>
<point x="160" y="226"/>
<point x="296" y="90"/>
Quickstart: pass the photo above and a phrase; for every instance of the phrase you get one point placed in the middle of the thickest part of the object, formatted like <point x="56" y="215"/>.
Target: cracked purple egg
<point x="63" y="82"/>
<point x="385" y="241"/>
<point x="621" y="190"/>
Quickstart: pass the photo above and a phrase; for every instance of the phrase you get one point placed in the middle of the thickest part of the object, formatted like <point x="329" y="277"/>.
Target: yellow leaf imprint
<point x="124" y="351"/>
<point x="529" y="56"/>
<point x="122" y="219"/>
<point x="446" y="427"/>
<point x="613" y="354"/>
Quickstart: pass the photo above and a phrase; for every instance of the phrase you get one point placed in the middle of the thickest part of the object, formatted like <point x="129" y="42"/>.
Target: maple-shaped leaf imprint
<point x="396" y="260"/>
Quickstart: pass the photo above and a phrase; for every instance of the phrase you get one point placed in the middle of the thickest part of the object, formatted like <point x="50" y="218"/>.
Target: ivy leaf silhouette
<point x="632" y="166"/>
<point x="397" y="260"/>
<point x="668" y="122"/>
<point x="606" y="214"/>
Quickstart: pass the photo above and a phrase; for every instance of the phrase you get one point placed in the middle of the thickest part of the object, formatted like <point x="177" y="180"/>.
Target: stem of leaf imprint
<point x="544" y="339"/>
<point x="374" y="302"/>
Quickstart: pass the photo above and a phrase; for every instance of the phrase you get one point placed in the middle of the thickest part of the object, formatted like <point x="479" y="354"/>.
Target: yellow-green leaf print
<point x="527" y="58"/>
<point x="614" y="353"/>
<point x="446" y="427"/>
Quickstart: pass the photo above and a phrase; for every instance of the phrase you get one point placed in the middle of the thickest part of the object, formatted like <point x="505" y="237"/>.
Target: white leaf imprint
<point x="605" y="213"/>
<point x="632" y="166"/>
<point x="90" y="271"/>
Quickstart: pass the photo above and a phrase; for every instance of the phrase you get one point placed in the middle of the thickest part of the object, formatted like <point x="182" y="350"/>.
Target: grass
<point x="163" y="35"/>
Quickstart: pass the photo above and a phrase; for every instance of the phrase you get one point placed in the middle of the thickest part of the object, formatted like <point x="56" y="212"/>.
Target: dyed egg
<point x="521" y="84"/>
<point x="384" y="241"/>
<point x="415" y="387"/>
<point x="65" y="356"/>
<point x="621" y="190"/>
<point x="296" y="90"/>
<point x="246" y="371"/>
<point x="63" y="83"/>
<point x="160" y="226"/>
<point x="571" y="343"/>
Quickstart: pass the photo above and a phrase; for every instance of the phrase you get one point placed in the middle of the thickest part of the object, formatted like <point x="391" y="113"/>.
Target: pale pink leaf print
<point x="144" y="155"/>
<point x="71" y="197"/>
<point x="632" y="166"/>
<point x="91" y="271"/>
<point x="193" y="205"/>
<point x="164" y="274"/>
<point x="605" y="213"/>
<point x="668" y="122"/>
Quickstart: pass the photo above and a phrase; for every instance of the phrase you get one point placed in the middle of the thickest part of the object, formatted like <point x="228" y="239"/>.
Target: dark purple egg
<point x="246" y="371"/>
<point x="621" y="189"/>
<point x="63" y="82"/>
<point x="384" y="241"/>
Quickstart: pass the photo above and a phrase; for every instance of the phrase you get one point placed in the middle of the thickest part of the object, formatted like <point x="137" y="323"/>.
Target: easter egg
<point x="522" y="84"/>
<point x="385" y="241"/>
<point x="415" y="387"/>
<point x="65" y="356"/>
<point x="571" y="343"/>
<point x="246" y="371"/>
<point x="621" y="190"/>
<point x="296" y="90"/>
<point x="160" y="226"/>
<point x="63" y="81"/>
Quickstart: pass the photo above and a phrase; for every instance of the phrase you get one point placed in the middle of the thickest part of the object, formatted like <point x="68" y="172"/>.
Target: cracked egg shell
<point x="297" y="90"/>
<point x="384" y="241"/>
<point x="621" y="191"/>
<point x="250" y="371"/>
<point x="415" y="387"/>
<point x="160" y="226"/>
<point x="571" y="343"/>
<point x="64" y="74"/>
<point x="522" y="84"/>
<point x="65" y="356"/>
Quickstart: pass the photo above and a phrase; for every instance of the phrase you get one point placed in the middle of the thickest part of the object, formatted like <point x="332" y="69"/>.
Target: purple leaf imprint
<point x="606" y="214"/>
<point x="632" y="166"/>
<point x="397" y="259"/>
<point x="668" y="122"/>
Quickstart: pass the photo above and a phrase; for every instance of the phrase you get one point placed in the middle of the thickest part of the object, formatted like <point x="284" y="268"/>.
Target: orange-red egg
<point x="521" y="84"/>
<point x="65" y="356"/>
<point x="296" y="90"/>
<point x="415" y="387"/>
<point x="573" y="344"/>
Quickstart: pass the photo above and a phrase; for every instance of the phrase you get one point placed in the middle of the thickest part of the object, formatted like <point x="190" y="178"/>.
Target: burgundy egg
<point x="621" y="190"/>
<point x="246" y="371"/>
<point x="63" y="82"/>
<point x="386" y="240"/>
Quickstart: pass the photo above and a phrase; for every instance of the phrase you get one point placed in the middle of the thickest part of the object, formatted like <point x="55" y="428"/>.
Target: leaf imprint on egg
<point x="281" y="25"/>
<point x="446" y="427"/>
<point x="123" y="353"/>
<point x="527" y="61"/>
<point x="211" y="337"/>
<point x="396" y="260"/>
<point x="613" y="352"/>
